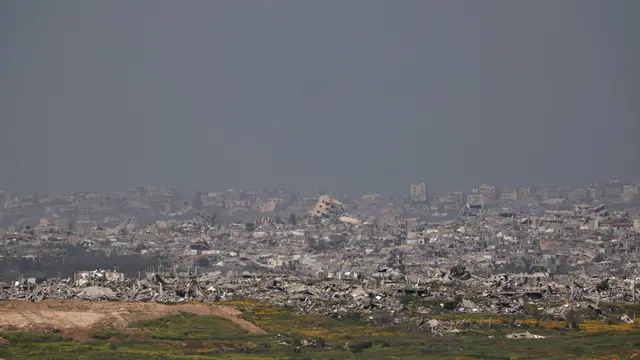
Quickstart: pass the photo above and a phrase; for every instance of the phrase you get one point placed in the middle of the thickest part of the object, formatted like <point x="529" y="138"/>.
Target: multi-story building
<point x="613" y="189"/>
<point x="232" y="197"/>
<point x="475" y="199"/>
<point x="579" y="194"/>
<point x="489" y="191"/>
<point x="561" y="193"/>
<point x="450" y="201"/>
<point x="526" y="192"/>
<point x="629" y="192"/>
<point x="509" y="194"/>
<point x="456" y="196"/>
<point x="267" y="206"/>
<point x="595" y="191"/>
<point x="418" y="192"/>
<point x="213" y="199"/>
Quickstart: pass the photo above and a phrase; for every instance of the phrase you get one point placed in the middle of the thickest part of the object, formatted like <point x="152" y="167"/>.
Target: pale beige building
<point x="324" y="205"/>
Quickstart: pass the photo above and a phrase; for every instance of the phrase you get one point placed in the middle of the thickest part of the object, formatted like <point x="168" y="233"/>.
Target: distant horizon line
<point x="307" y="192"/>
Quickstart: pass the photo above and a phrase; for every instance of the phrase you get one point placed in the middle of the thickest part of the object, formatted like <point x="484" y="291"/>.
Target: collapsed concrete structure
<point x="384" y="290"/>
<point x="327" y="206"/>
<point x="487" y="259"/>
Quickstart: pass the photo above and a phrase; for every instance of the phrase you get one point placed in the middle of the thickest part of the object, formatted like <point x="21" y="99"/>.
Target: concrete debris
<point x="627" y="319"/>
<point x="383" y="290"/>
<point x="332" y="256"/>
<point x="97" y="293"/>
<point x="524" y="335"/>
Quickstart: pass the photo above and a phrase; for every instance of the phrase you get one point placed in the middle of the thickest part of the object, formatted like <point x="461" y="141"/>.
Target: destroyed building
<point x="341" y="256"/>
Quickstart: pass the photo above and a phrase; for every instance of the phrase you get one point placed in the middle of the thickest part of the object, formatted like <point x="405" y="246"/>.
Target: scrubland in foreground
<point x="193" y="332"/>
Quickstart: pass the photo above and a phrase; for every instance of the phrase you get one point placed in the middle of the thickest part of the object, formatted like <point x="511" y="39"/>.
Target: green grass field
<point x="289" y="336"/>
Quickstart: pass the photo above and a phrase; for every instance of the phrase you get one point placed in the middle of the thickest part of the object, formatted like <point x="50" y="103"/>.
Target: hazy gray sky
<point x="343" y="95"/>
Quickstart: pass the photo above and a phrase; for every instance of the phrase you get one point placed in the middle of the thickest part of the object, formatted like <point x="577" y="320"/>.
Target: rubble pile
<point x="456" y="290"/>
<point x="341" y="257"/>
<point x="524" y="335"/>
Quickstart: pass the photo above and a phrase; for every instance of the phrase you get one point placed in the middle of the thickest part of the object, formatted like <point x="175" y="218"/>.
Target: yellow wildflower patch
<point x="598" y="326"/>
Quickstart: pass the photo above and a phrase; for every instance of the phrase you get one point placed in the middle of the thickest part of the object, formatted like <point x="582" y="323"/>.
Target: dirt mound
<point x="76" y="318"/>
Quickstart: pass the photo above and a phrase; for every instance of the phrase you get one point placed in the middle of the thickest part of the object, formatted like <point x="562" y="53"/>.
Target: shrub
<point x="359" y="346"/>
